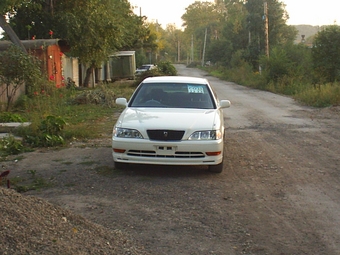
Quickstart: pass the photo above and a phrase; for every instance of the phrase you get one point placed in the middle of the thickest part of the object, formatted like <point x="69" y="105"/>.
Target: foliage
<point x="17" y="70"/>
<point x="48" y="133"/>
<point x="11" y="117"/>
<point x="104" y="27"/>
<point x="11" y="146"/>
<point x="163" y="69"/>
<point x="220" y="51"/>
<point x="198" y="17"/>
<point x="102" y="95"/>
<point x="288" y="67"/>
<point x="326" y="54"/>
<point x="166" y="68"/>
<point x="56" y="118"/>
<point x="52" y="125"/>
<point x="174" y="44"/>
<point x="320" y="96"/>
<point x="33" y="182"/>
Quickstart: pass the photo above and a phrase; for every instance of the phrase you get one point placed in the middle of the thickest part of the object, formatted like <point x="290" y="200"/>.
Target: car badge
<point x="165" y="133"/>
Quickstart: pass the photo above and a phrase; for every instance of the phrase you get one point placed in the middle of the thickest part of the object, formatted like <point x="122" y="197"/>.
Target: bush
<point x="11" y="117"/>
<point x="101" y="95"/>
<point x="17" y="69"/>
<point x="163" y="68"/>
<point x="11" y="146"/>
<point x="47" y="133"/>
<point x="320" y="96"/>
<point x="166" y="68"/>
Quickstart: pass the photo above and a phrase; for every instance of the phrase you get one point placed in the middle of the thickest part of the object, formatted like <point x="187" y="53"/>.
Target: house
<point x="122" y="65"/>
<point x="58" y="67"/>
<point x="50" y="52"/>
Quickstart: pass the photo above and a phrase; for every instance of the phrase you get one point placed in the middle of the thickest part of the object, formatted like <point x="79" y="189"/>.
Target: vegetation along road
<point x="279" y="192"/>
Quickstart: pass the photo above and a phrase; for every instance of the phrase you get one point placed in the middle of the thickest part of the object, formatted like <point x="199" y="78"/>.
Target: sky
<point x="301" y="12"/>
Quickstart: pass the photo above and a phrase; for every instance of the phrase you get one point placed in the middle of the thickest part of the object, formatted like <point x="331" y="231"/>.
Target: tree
<point x="95" y="29"/>
<point x="175" y="44"/>
<point x="279" y="32"/>
<point x="326" y="54"/>
<point x="198" y="17"/>
<point x="5" y="7"/>
<point x="17" y="69"/>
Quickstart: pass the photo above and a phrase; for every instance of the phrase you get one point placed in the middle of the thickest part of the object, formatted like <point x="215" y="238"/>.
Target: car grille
<point x="178" y="154"/>
<point x="165" y="135"/>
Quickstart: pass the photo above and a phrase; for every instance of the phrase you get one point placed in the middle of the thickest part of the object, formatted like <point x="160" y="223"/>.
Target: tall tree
<point x="279" y="32"/>
<point x="94" y="28"/>
<point x="198" y="17"/>
<point x="326" y="54"/>
<point x="175" y="45"/>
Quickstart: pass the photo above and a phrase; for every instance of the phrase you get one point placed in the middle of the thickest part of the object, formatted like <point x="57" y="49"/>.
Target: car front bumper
<point x="143" y="151"/>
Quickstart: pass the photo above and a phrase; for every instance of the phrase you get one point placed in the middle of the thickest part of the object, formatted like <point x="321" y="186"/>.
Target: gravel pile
<point x="30" y="225"/>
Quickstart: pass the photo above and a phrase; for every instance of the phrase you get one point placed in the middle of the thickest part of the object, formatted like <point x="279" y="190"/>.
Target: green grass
<point x="107" y="171"/>
<point x="32" y="182"/>
<point x="88" y="163"/>
<point x="73" y="114"/>
<point x="320" y="96"/>
<point x="298" y="87"/>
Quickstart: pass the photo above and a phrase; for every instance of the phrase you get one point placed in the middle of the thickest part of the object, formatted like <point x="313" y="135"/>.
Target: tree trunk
<point x="11" y="34"/>
<point x="89" y="73"/>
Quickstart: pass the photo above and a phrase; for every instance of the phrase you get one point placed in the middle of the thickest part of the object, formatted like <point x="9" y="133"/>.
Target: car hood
<point x="189" y="120"/>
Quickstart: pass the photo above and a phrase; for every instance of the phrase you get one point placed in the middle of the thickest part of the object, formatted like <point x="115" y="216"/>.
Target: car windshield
<point x="173" y="95"/>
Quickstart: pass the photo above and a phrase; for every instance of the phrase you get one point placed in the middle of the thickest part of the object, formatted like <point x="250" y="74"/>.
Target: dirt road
<point x="278" y="194"/>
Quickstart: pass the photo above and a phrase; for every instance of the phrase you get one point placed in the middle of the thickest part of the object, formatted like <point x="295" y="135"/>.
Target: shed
<point x="122" y="65"/>
<point x="50" y="52"/>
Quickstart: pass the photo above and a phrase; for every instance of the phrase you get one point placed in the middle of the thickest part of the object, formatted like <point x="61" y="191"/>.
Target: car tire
<point x="216" y="168"/>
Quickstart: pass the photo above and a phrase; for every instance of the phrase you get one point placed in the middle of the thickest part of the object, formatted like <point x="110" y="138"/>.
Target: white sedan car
<point x="171" y="120"/>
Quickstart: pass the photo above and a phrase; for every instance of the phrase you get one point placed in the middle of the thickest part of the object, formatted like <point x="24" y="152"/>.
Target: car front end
<point x="167" y="137"/>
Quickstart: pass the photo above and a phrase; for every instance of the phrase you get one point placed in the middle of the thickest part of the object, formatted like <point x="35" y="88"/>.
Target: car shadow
<point x="166" y="171"/>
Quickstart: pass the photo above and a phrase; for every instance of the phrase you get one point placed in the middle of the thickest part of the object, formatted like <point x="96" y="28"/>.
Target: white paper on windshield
<point x="196" y="89"/>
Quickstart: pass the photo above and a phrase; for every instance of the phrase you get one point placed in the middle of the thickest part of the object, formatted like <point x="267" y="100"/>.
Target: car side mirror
<point x="225" y="103"/>
<point x="121" y="101"/>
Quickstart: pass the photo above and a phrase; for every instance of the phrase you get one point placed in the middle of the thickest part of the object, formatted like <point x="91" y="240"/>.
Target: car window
<point x="173" y="95"/>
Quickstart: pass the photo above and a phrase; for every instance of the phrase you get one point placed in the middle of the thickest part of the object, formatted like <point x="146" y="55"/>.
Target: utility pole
<point x="178" y="51"/>
<point x="266" y="28"/>
<point x="192" y="49"/>
<point x="205" y="43"/>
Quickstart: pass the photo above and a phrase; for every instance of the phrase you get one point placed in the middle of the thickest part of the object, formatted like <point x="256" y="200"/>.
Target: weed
<point x="59" y="116"/>
<point x="11" y="117"/>
<point x="9" y="145"/>
<point x="107" y="171"/>
<point x="67" y="163"/>
<point x="36" y="184"/>
<point x="320" y="96"/>
<point x="4" y="178"/>
<point x="33" y="182"/>
<point x="88" y="163"/>
<point x="32" y="172"/>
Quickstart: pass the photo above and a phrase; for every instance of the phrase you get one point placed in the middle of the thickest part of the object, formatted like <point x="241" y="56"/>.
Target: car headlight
<point x="127" y="133"/>
<point x="206" y="135"/>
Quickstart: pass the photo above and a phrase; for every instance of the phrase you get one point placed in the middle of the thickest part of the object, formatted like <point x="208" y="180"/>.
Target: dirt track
<point x="278" y="194"/>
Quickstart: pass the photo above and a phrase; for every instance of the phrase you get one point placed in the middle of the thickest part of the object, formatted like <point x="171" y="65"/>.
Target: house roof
<point x="38" y="44"/>
<point x="123" y="53"/>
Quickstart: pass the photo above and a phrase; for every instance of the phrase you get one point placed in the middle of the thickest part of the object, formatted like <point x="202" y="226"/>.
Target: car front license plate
<point x="165" y="150"/>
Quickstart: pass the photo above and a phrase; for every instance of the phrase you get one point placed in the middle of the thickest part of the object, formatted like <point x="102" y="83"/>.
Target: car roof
<point x="176" y="79"/>
<point x="148" y="65"/>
